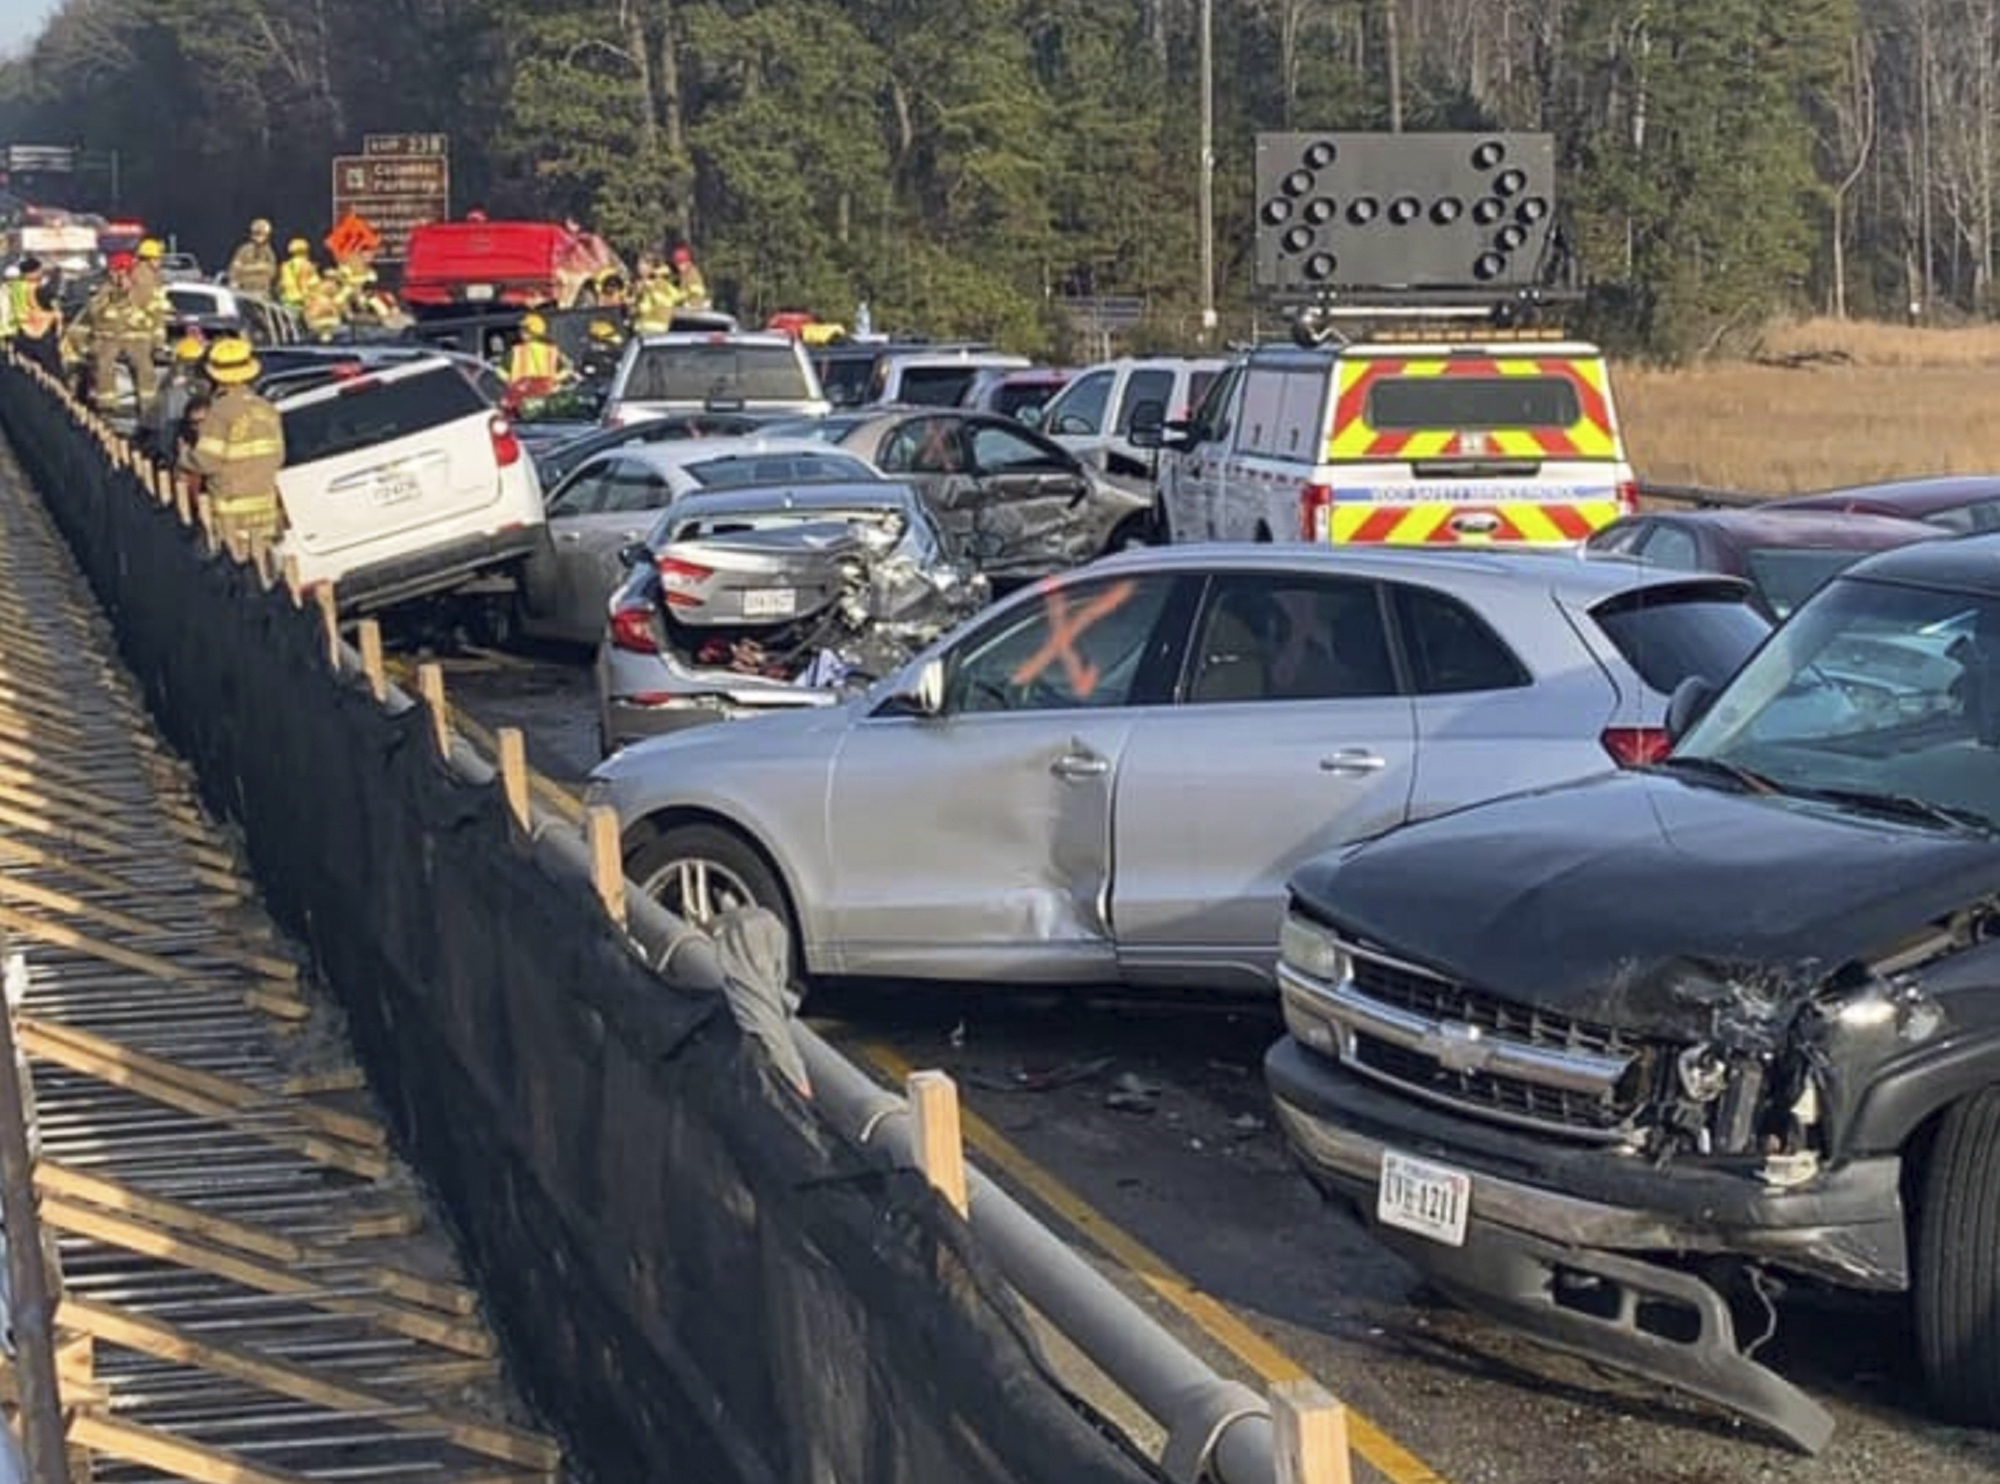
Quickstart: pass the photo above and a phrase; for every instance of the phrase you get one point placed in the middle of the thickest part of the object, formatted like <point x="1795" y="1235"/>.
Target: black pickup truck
<point x="1618" y="1061"/>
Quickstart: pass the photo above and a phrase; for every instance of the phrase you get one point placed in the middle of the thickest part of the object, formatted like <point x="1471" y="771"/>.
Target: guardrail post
<point x="293" y="584"/>
<point x="1310" y="1430"/>
<point x="513" y="749"/>
<point x="329" y="616"/>
<point x="939" y="1145"/>
<point x="607" y="863"/>
<point x="371" y="659"/>
<point x="430" y="685"/>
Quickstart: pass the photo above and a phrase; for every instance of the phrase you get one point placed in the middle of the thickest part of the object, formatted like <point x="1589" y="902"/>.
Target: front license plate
<point x="479" y="292"/>
<point x="1418" y="1196"/>
<point x="770" y="602"/>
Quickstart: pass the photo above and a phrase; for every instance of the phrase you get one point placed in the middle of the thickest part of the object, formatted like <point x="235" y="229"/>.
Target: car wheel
<point x="700" y="871"/>
<point x="1958" y="1263"/>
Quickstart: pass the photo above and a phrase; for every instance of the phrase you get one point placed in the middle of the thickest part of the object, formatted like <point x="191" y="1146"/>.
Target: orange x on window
<point x="1066" y="627"/>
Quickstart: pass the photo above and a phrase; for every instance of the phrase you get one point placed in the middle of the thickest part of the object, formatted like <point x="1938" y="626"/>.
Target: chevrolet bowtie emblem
<point x="1458" y="1047"/>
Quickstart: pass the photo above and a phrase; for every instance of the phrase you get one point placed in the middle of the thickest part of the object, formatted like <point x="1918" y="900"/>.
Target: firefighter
<point x="536" y="358"/>
<point x="38" y="328"/>
<point x="10" y="313"/>
<point x="253" y="265"/>
<point x="693" y="286"/>
<point x="611" y="289"/>
<point x="149" y="282"/>
<point x="659" y="297"/>
<point x="123" y="325"/>
<point x="602" y="350"/>
<point x="240" y="450"/>
<point x="185" y="381"/>
<point x="325" y="306"/>
<point x="295" y="279"/>
<point x="21" y="289"/>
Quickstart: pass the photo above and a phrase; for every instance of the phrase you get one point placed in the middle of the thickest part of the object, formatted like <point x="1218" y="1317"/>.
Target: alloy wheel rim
<point x="698" y="890"/>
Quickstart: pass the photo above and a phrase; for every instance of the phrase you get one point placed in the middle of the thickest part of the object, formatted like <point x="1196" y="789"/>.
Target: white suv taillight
<point x="506" y="447"/>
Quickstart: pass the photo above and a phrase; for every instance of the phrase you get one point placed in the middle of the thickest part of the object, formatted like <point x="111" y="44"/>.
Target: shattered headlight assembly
<point x="1879" y="1007"/>
<point x="1310" y="950"/>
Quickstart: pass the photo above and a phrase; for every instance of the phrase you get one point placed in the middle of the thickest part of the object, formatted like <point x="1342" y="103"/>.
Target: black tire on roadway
<point x="1958" y="1263"/>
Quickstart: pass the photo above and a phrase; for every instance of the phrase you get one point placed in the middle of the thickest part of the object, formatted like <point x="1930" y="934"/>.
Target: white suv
<point x="404" y="482"/>
<point x="1092" y="415"/>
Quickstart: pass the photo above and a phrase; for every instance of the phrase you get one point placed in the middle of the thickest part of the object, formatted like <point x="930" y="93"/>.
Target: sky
<point x="21" y="21"/>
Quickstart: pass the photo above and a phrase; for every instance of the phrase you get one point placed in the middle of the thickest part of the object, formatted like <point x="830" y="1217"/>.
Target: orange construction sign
<point x="352" y="237"/>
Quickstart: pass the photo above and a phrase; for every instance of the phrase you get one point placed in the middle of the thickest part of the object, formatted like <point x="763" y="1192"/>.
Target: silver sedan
<point x="1109" y="777"/>
<point x="612" y="500"/>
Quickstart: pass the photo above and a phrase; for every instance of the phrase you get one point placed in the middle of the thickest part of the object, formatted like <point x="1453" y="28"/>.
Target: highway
<point x="1141" y="1131"/>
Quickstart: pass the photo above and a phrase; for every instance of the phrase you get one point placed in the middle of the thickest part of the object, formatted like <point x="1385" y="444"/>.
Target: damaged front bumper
<point x="1587" y="1248"/>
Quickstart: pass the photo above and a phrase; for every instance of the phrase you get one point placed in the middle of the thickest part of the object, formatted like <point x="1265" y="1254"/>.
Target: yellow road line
<point x="1389" y="1457"/>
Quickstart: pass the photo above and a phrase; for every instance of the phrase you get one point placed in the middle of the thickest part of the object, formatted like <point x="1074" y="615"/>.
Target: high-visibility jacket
<point x="659" y="297"/>
<point x="535" y="360"/>
<point x="21" y="294"/>
<point x="295" y="281"/>
<point x="252" y="267"/>
<point x="694" y="288"/>
<point x="119" y="312"/>
<point x="8" y="315"/>
<point x="149" y="289"/>
<point x="238" y="455"/>
<point x="326" y="301"/>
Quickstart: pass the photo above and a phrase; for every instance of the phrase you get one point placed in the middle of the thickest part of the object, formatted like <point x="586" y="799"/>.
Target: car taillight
<point x="677" y="577"/>
<point x="1635" y="747"/>
<point x="1628" y="497"/>
<point x="1315" y="511"/>
<point x="632" y="629"/>
<point x="506" y="447"/>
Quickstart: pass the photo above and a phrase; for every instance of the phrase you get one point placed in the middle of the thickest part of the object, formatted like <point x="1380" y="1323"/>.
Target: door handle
<point x="1353" y="760"/>
<point x="1073" y="765"/>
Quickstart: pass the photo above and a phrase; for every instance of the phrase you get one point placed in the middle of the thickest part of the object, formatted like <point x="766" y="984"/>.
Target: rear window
<point x="1668" y="633"/>
<point x="718" y="372"/>
<point x="1398" y="403"/>
<point x="935" y="386"/>
<point x="373" y="411"/>
<point x="741" y="471"/>
<point x="1788" y="575"/>
<point x="846" y="379"/>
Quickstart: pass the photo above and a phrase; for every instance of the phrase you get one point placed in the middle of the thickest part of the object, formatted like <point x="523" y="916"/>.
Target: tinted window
<point x="935" y="386"/>
<point x="704" y="371"/>
<point x="1012" y="398"/>
<point x="1143" y="387"/>
<point x="1620" y="537"/>
<point x="1211" y="415"/>
<point x="370" y="412"/>
<point x="1473" y="402"/>
<point x="1082" y="406"/>
<point x="923" y="445"/>
<point x="1669" y="634"/>
<point x="1983" y="516"/>
<point x="1276" y="637"/>
<point x="1453" y="650"/>
<point x="739" y="471"/>
<point x="633" y="488"/>
<point x="1788" y="575"/>
<point x="585" y="493"/>
<point x="845" y="378"/>
<point x="1670" y="546"/>
<point x="1085" y="644"/>
<point x="995" y="450"/>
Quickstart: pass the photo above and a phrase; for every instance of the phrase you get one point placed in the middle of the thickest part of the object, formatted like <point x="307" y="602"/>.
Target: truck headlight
<point x="1306" y="948"/>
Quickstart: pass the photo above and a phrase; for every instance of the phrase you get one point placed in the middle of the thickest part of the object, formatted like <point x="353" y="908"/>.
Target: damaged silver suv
<point x="1616" y="1061"/>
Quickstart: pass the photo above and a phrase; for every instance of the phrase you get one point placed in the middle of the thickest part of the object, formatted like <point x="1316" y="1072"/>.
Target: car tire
<point x="733" y="869"/>
<point x="1958" y="1263"/>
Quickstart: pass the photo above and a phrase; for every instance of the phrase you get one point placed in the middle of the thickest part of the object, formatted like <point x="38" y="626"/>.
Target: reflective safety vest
<point x="295" y="281"/>
<point x="658" y="298"/>
<point x="239" y="454"/>
<point x="694" y="288"/>
<point x="535" y="360"/>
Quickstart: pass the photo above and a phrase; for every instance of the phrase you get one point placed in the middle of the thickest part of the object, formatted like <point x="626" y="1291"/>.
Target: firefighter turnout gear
<point x="295" y="279"/>
<point x="254" y="266"/>
<point x="240" y="450"/>
<point x="659" y="297"/>
<point x="325" y="305"/>
<point x="124" y="325"/>
<point x="693" y="286"/>
<point x="535" y="357"/>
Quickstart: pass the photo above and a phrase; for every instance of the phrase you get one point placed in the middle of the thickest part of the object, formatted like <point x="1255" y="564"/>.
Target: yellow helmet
<point x="534" y="324"/>
<point x="151" y="249"/>
<point x="189" y="349"/>
<point x="260" y="227"/>
<point x="233" y="362"/>
<point x="298" y="247"/>
<point x="603" y="329"/>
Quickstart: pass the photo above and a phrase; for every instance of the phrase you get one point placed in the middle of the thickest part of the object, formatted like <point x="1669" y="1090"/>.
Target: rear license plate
<point x="1418" y="1196"/>
<point x="479" y="292"/>
<point x="770" y="602"/>
<point x="395" y="489"/>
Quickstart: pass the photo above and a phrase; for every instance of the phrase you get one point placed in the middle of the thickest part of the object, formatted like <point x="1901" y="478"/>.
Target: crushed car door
<point x="587" y="547"/>
<point x="1291" y="735"/>
<point x="577" y="498"/>
<point x="981" y="837"/>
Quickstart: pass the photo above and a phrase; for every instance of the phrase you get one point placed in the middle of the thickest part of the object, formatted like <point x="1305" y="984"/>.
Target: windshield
<point x="742" y="471"/>
<point x="1872" y="689"/>
<point x="719" y="371"/>
<point x="1788" y="575"/>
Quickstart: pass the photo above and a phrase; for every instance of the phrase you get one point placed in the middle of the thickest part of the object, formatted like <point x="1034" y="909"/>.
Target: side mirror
<point x="1031" y="416"/>
<point x="1690" y="700"/>
<point x="924" y="696"/>
<point x="1148" y="428"/>
<point x="635" y="554"/>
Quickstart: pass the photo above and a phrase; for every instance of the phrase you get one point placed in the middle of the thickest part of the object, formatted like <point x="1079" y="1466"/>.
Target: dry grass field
<point x="1822" y="403"/>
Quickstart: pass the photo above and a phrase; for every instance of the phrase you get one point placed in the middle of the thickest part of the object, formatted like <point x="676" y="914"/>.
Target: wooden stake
<point x="293" y="584"/>
<point x="513" y="747"/>
<point x="183" y="500"/>
<point x="329" y="613"/>
<point x="607" y="864"/>
<point x="371" y="659"/>
<point x="940" y="1147"/>
<point x="1310" y="1435"/>
<point x="430" y="685"/>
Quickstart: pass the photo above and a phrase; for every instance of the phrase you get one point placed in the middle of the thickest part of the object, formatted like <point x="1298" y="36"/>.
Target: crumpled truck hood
<point x="1632" y="899"/>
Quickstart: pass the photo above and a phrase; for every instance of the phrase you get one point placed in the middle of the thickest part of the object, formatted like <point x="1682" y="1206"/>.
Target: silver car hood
<point x="807" y="732"/>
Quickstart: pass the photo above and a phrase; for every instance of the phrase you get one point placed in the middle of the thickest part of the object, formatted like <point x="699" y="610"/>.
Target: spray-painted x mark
<point x="1065" y="628"/>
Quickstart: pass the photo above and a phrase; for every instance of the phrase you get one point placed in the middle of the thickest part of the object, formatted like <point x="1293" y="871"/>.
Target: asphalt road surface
<point x="1141" y="1130"/>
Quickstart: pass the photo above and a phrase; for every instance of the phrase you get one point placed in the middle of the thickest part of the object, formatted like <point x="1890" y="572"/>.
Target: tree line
<point x="966" y="167"/>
